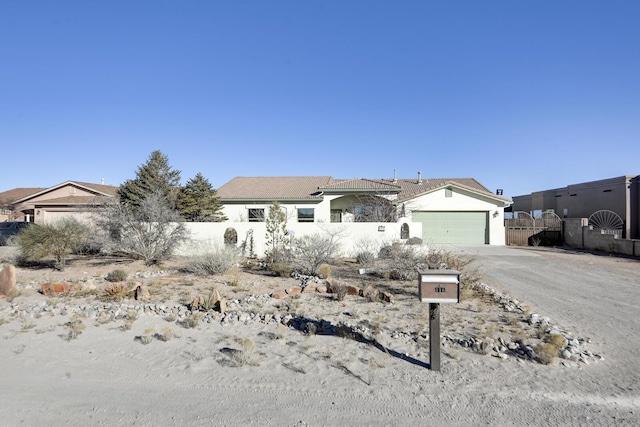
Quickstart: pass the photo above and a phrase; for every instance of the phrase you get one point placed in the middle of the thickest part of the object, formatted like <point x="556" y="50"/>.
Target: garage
<point x="453" y="226"/>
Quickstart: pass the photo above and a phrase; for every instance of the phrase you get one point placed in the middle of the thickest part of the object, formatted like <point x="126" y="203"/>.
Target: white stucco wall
<point x="352" y="236"/>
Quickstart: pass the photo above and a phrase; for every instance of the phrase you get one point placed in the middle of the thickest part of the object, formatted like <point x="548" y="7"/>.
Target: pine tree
<point x="198" y="202"/>
<point x="153" y="177"/>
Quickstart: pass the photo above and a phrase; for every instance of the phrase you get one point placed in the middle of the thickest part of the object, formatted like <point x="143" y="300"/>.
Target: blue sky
<point x="521" y="95"/>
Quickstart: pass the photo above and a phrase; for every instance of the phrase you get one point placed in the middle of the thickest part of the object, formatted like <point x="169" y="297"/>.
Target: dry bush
<point x="192" y="321"/>
<point x="546" y="352"/>
<point x="116" y="276"/>
<point x="116" y="292"/>
<point x="282" y="269"/>
<point x="165" y="335"/>
<point x="324" y="271"/>
<point x="311" y="251"/>
<point x="75" y="328"/>
<point x="247" y="353"/>
<point x="340" y="291"/>
<point x="212" y="259"/>
<point x="556" y="340"/>
<point x="129" y="318"/>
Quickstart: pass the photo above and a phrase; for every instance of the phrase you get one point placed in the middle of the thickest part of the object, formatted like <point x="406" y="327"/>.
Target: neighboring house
<point x="460" y="211"/>
<point x="44" y="205"/>
<point x="596" y="200"/>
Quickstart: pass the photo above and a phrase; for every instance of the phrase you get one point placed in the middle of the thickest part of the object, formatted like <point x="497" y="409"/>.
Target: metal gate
<point x="525" y="230"/>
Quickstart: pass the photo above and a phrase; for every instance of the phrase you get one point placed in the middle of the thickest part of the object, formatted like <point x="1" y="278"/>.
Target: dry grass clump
<point x="116" y="292"/>
<point x="147" y="337"/>
<point x="75" y="328"/>
<point x="129" y="318"/>
<point x="191" y="321"/>
<point x="165" y="335"/>
<point x="339" y="290"/>
<point x="546" y="352"/>
<point x="556" y="340"/>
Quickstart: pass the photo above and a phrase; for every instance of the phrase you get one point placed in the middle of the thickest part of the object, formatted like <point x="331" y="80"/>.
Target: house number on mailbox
<point x="441" y="289"/>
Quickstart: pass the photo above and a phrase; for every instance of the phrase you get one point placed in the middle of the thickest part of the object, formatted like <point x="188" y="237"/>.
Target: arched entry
<point x="230" y="236"/>
<point x="404" y="231"/>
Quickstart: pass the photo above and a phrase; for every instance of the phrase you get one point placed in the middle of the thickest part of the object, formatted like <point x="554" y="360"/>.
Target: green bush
<point x="57" y="240"/>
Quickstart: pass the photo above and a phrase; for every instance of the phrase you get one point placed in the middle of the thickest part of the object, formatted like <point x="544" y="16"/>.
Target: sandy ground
<point x="269" y="374"/>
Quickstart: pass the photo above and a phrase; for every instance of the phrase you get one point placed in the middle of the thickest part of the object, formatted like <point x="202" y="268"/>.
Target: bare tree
<point x="373" y="208"/>
<point x="311" y="251"/>
<point x="151" y="232"/>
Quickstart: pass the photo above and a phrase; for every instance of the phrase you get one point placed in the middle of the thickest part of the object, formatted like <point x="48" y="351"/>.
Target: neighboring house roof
<point x="312" y="187"/>
<point x="25" y="199"/>
<point x="98" y="189"/>
<point x="10" y="196"/>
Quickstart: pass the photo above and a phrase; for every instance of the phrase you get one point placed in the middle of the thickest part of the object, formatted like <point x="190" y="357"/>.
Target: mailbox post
<point x="435" y="287"/>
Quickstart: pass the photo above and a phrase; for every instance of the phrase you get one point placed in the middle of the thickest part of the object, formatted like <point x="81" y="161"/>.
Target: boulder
<point x="54" y="288"/>
<point x="141" y="293"/>
<point x="279" y="294"/>
<point x="7" y="280"/>
<point x="294" y="290"/>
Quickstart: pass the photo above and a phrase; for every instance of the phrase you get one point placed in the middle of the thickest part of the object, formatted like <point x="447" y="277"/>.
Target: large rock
<point x="54" y="288"/>
<point x="141" y="292"/>
<point x="7" y="280"/>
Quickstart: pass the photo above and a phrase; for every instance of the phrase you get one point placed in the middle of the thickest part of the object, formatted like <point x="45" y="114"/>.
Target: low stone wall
<point x="578" y="236"/>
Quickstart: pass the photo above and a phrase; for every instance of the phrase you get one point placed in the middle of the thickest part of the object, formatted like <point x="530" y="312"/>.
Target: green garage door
<point x="453" y="227"/>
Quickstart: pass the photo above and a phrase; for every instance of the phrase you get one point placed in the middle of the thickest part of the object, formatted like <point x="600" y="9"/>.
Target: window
<point x="256" y="215"/>
<point x="448" y="192"/>
<point x="565" y="213"/>
<point x="305" y="215"/>
<point x="336" y="215"/>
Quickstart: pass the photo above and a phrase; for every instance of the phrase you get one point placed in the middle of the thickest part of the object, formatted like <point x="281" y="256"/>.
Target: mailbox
<point x="439" y="286"/>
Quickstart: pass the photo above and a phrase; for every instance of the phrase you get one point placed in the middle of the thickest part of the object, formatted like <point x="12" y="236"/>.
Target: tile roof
<point x="273" y="187"/>
<point x="303" y="187"/>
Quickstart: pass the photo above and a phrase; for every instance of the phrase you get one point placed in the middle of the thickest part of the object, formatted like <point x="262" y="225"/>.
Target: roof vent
<point x="419" y="177"/>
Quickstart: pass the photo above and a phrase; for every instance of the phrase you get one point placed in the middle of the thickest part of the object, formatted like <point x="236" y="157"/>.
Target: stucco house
<point x="612" y="203"/>
<point x="459" y="210"/>
<point x="42" y="205"/>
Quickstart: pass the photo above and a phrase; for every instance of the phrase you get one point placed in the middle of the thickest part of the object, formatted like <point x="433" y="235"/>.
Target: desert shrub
<point x="116" y="276"/>
<point x="340" y="291"/>
<point x="75" y="328"/>
<point x="116" y="292"/>
<point x="311" y="251"/>
<point x="209" y="260"/>
<point x="150" y="231"/>
<point x="556" y="340"/>
<point x="58" y="239"/>
<point x="324" y="271"/>
<point x="282" y="269"/>
<point x="365" y="258"/>
<point x="545" y="352"/>
<point x="414" y="241"/>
